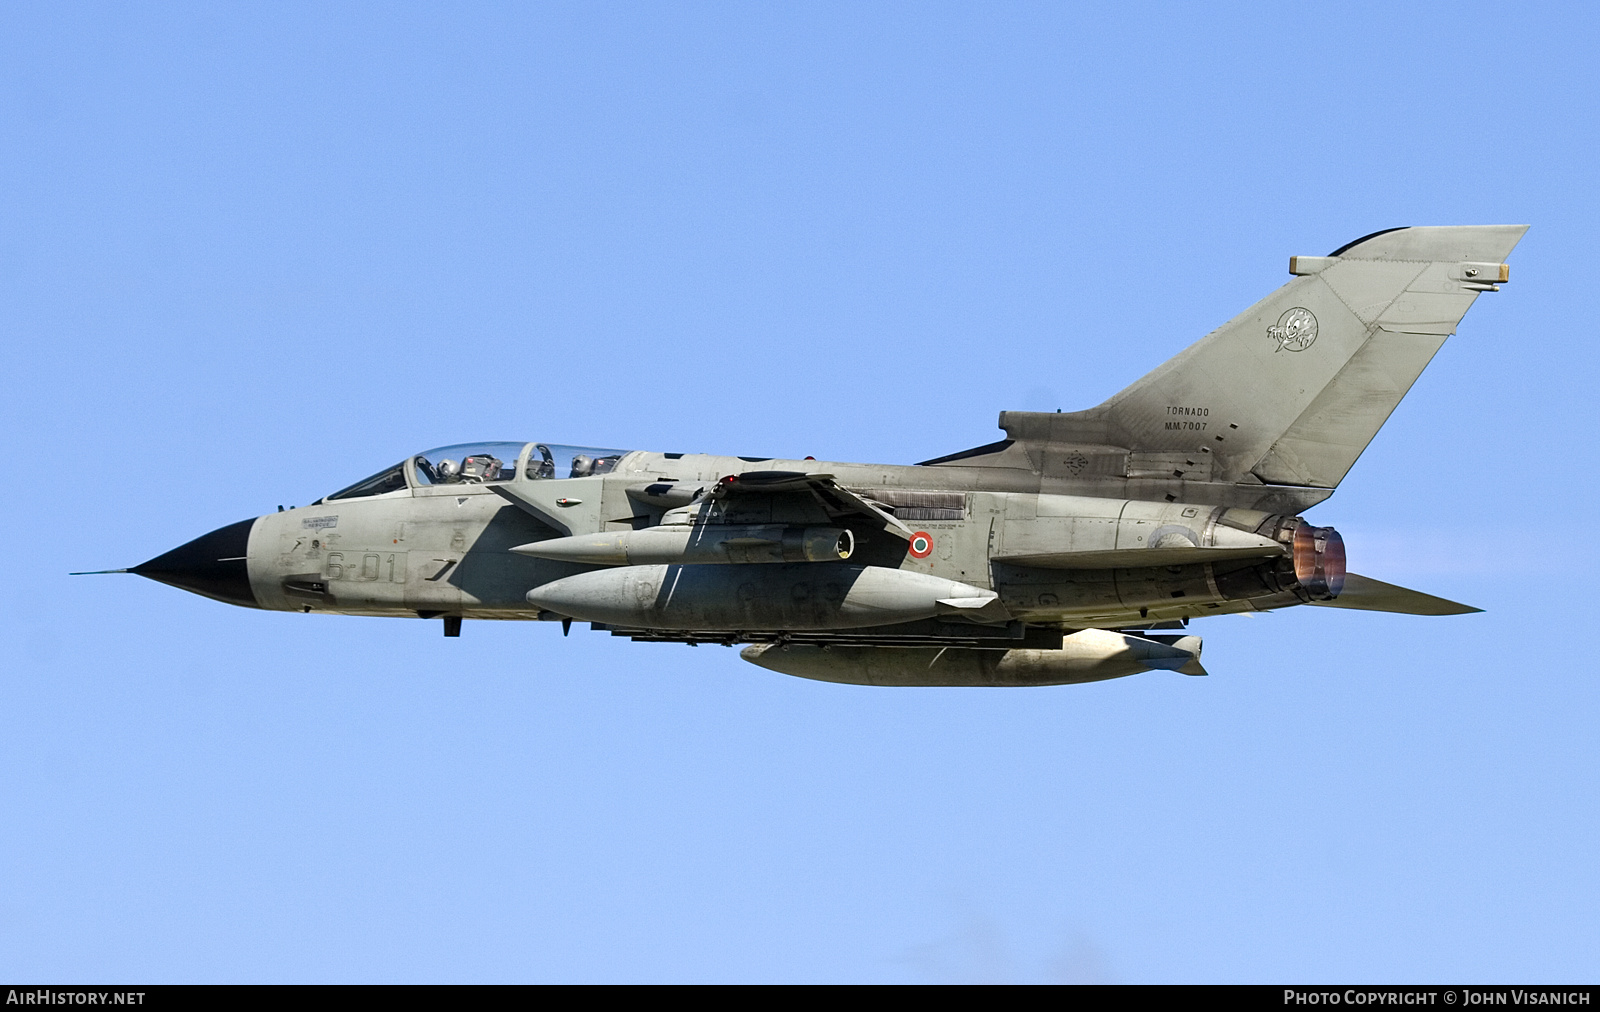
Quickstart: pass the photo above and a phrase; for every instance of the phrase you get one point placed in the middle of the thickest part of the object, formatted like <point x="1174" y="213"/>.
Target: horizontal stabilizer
<point x="1139" y="558"/>
<point x="1366" y="594"/>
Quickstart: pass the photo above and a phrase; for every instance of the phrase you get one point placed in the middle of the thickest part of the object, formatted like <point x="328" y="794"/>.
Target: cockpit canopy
<point x="468" y="464"/>
<point x="554" y="460"/>
<point x="485" y="463"/>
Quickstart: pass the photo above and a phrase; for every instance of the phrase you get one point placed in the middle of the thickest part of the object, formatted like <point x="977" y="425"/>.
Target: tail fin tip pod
<point x="1291" y="391"/>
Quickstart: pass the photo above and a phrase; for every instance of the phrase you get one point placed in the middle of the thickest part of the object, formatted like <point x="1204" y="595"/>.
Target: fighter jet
<point x="1077" y="548"/>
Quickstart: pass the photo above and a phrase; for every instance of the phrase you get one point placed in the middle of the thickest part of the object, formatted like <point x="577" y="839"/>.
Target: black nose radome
<point x="212" y="565"/>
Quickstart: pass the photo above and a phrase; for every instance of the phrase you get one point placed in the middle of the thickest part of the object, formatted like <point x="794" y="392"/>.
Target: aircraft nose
<point x="212" y="565"/>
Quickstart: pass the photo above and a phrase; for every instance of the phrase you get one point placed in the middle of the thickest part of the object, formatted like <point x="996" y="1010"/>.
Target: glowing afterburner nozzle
<point x="1319" y="561"/>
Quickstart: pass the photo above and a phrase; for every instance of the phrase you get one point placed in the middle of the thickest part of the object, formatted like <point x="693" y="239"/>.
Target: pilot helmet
<point x="449" y="471"/>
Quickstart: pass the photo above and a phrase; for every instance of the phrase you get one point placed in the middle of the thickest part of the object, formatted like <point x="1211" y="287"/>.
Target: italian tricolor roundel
<point x="921" y="545"/>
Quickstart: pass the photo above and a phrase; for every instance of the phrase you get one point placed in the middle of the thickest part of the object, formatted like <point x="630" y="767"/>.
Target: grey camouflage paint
<point x="1055" y="555"/>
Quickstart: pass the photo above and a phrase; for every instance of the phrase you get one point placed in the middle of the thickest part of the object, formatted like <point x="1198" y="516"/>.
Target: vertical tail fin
<point x="1292" y="390"/>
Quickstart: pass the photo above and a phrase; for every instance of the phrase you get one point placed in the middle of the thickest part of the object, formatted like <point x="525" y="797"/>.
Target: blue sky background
<point x="252" y="253"/>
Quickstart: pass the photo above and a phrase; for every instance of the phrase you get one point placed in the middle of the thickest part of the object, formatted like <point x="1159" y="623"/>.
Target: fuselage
<point x="429" y="548"/>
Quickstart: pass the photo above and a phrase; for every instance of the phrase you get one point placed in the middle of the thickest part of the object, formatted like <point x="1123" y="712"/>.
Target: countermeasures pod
<point x="1091" y="655"/>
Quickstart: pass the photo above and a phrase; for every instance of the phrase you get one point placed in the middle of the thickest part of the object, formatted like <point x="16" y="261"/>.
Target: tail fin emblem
<point x="1296" y="330"/>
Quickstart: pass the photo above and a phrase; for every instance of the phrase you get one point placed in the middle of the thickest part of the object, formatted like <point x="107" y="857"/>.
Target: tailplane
<point x="1366" y="594"/>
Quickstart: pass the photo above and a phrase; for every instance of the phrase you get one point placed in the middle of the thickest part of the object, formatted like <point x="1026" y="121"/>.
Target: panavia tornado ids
<point x="1077" y="548"/>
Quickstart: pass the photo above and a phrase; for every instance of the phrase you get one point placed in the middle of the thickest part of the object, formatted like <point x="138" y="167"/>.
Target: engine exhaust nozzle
<point x="1319" y="561"/>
